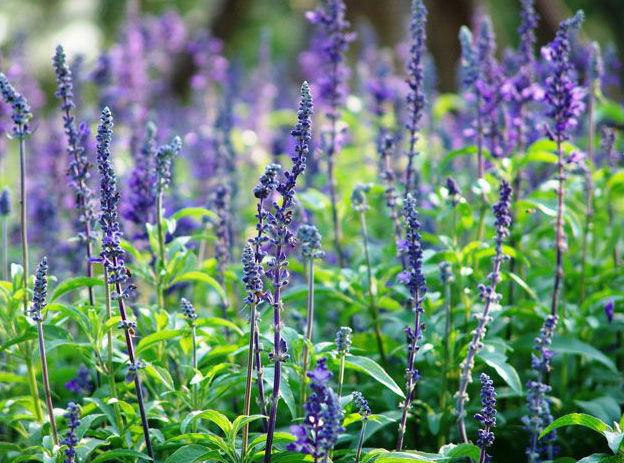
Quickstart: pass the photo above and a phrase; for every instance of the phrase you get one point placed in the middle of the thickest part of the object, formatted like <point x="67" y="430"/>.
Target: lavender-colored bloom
<point x="20" y="108"/>
<point x="310" y="239"/>
<point x="563" y="95"/>
<point x="5" y="202"/>
<point x="416" y="96"/>
<point x="71" y="439"/>
<point x="361" y="405"/>
<point x="609" y="310"/>
<point x="469" y="66"/>
<point x="40" y="291"/>
<point x="252" y="274"/>
<point x="268" y="181"/>
<point x="487" y="416"/>
<point x="142" y="200"/>
<point x="343" y="340"/>
<point x="82" y="383"/>
<point x="188" y="310"/>
<point x="221" y="203"/>
<point x="528" y="25"/>
<point x="595" y="68"/>
<point x="607" y="144"/>
<point x="538" y="403"/>
<point x="322" y="424"/>
<point x="164" y="160"/>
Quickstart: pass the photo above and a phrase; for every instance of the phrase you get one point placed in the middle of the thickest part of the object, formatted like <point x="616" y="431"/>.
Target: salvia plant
<point x="233" y="278"/>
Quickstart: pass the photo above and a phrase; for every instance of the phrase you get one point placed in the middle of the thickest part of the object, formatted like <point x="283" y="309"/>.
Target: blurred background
<point x="85" y="26"/>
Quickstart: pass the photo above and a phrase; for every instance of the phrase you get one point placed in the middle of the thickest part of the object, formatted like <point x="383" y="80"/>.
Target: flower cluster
<point x="5" y="202"/>
<point x="164" y="160"/>
<point x="222" y="204"/>
<point x="310" y="239"/>
<point x="563" y="95"/>
<point x="21" y="114"/>
<point x="323" y="417"/>
<point x="343" y="340"/>
<point x="188" y="310"/>
<point x="416" y="96"/>
<point x="358" y="197"/>
<point x="40" y="291"/>
<point x="487" y="415"/>
<point x="410" y="247"/>
<point x="141" y="197"/>
<point x="252" y="274"/>
<point x="361" y="405"/>
<point x="82" y="383"/>
<point x="71" y="439"/>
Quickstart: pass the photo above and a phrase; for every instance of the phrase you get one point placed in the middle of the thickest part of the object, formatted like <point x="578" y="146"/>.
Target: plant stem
<point x="372" y="308"/>
<point x="411" y="359"/>
<point x="309" y="329"/>
<point x="277" y="350"/>
<point x="248" y="380"/>
<point x="589" y="194"/>
<point x="358" y="452"/>
<point x="32" y="383"/>
<point x="161" y="251"/>
<point x="341" y="375"/>
<point x="109" y="347"/>
<point x="5" y="250"/>
<point x="46" y="382"/>
<point x="447" y="333"/>
<point x="137" y="378"/>
<point x="24" y="218"/>
<point x="560" y="238"/>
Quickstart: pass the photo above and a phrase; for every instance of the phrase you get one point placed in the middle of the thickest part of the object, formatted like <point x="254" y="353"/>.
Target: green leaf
<point x="201" y="277"/>
<point x="197" y="213"/>
<point x="498" y="361"/>
<point x="574" y="346"/>
<point x="374" y="370"/>
<point x="400" y="457"/>
<point x="72" y="284"/>
<point x="213" y="416"/>
<point x="187" y="454"/>
<point x="579" y="419"/>
<point x="118" y="453"/>
<point x="157" y="337"/>
<point x="461" y="451"/>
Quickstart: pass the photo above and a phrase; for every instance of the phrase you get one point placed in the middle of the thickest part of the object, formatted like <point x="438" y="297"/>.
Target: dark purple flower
<point x="411" y="248"/>
<point x="188" y="310"/>
<point x="487" y="415"/>
<point x="142" y="198"/>
<point x="222" y="204"/>
<point x="343" y="340"/>
<point x="40" y="291"/>
<point x="322" y="424"/>
<point x="361" y="405"/>
<point x="252" y="274"/>
<point x="21" y="114"/>
<point x="5" y="202"/>
<point x="609" y="309"/>
<point x="164" y="160"/>
<point x="563" y="95"/>
<point x="71" y="439"/>
<point x="310" y="239"/>
<point x="82" y="383"/>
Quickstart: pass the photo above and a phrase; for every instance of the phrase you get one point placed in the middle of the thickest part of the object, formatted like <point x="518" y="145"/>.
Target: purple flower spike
<point x="487" y="416"/>
<point x="609" y="310"/>
<point x="71" y="440"/>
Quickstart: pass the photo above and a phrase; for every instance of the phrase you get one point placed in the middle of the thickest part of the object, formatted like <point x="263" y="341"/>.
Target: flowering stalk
<point x="280" y="236"/>
<point x="487" y="417"/>
<point x="412" y="277"/>
<point x="5" y="211"/>
<point x="446" y="275"/>
<point x="360" y="205"/>
<point x="537" y="403"/>
<point x="21" y="116"/>
<point x="594" y="76"/>
<point x="39" y="302"/>
<point x="191" y="315"/>
<point x="79" y="163"/>
<point x="607" y="144"/>
<point x="71" y="439"/>
<point x="330" y="19"/>
<point x="222" y="205"/>
<point x="310" y="239"/>
<point x="490" y="298"/>
<point x="388" y="179"/>
<point x="416" y="97"/>
<point x="361" y="404"/>
<point x="112" y="257"/>
<point x="322" y="424"/>
<point x="164" y="159"/>
<point x="565" y="100"/>
<point x="343" y="347"/>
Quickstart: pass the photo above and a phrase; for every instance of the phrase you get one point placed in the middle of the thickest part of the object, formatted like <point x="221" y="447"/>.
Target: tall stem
<point x="447" y="333"/>
<point x="5" y="249"/>
<point x="259" y="371"/>
<point x="341" y="375"/>
<point x="24" y="218"/>
<point x="358" y="452"/>
<point x="560" y="238"/>
<point x="589" y="187"/>
<point x="277" y="351"/>
<point x="248" y="380"/>
<point x="161" y="251"/>
<point x="137" y="378"/>
<point x="109" y="348"/>
<point x="46" y="383"/>
<point x="410" y="380"/>
<point x="309" y="329"/>
<point x="372" y="308"/>
<point x="32" y="383"/>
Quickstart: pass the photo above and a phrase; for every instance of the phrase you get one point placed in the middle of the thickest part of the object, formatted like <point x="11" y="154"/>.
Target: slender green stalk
<point x="308" y="332"/>
<point x="248" y="379"/>
<point x="589" y="195"/>
<point x="109" y="347"/>
<point x="358" y="452"/>
<point x="24" y="218"/>
<point x="560" y="237"/>
<point x="5" y="249"/>
<point x="373" y="310"/>
<point x="32" y="383"/>
<point x="46" y="383"/>
<point x="341" y="375"/>
<point x="161" y="252"/>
